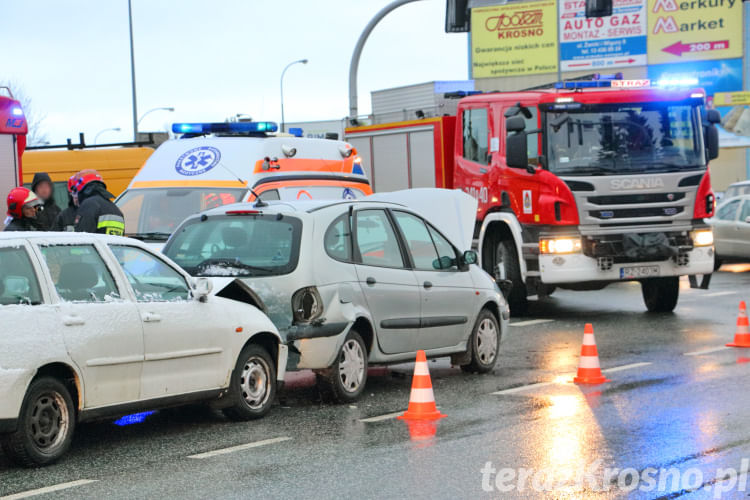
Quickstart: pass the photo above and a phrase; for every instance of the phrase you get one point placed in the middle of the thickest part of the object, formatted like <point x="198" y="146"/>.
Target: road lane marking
<point x="380" y="418"/>
<point x="625" y="367"/>
<point x="537" y="385"/>
<point x="532" y="322"/>
<point x="707" y="351"/>
<point x="241" y="447"/>
<point x="48" y="489"/>
<point x="523" y="388"/>
<point x="717" y="294"/>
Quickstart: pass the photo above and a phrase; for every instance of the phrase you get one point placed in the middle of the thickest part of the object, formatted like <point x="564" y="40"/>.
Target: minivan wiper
<point x="229" y="264"/>
<point x="152" y="236"/>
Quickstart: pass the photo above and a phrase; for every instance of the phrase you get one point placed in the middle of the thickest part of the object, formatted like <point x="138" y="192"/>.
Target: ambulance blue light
<point x="296" y="132"/>
<point x="224" y="127"/>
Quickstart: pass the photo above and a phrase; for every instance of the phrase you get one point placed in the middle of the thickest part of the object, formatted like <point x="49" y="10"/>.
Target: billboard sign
<point x="615" y="41"/>
<point x="514" y="39"/>
<point x="682" y="31"/>
<point x="713" y="76"/>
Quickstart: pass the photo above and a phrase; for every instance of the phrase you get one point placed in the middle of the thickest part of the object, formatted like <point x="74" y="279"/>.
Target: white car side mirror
<point x="202" y="287"/>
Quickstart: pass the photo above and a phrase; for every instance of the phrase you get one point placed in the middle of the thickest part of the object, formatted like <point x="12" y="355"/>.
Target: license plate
<point x="637" y="272"/>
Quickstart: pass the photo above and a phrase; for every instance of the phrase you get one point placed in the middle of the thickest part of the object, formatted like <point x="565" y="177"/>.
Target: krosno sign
<point x="517" y="24"/>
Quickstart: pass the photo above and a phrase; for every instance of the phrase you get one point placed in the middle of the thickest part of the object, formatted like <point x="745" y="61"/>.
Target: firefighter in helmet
<point x="66" y="221"/>
<point x="96" y="213"/>
<point x="22" y="209"/>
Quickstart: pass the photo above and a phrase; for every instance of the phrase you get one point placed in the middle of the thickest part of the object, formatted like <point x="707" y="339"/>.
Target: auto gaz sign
<point x="614" y="41"/>
<point x="197" y="161"/>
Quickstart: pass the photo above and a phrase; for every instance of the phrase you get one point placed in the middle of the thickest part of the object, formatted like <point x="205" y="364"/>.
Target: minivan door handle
<point x="370" y="281"/>
<point x="427" y="284"/>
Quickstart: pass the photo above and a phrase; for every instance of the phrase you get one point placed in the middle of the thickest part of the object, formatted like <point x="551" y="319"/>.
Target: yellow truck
<point x="118" y="166"/>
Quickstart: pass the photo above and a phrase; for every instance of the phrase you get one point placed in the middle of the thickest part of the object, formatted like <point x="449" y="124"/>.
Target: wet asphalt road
<point x="689" y="413"/>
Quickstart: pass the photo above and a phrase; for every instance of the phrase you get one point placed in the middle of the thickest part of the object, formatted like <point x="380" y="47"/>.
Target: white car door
<point x="447" y="292"/>
<point x="390" y="289"/>
<point x="99" y="322"/>
<point x="182" y="337"/>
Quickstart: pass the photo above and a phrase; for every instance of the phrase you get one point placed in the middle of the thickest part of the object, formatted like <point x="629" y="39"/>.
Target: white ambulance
<point x="214" y="164"/>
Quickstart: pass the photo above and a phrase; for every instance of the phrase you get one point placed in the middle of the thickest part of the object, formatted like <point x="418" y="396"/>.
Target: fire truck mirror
<point x="713" y="116"/>
<point x="712" y="142"/>
<point x="515" y="124"/>
<point x="598" y="8"/>
<point x="516" y="155"/>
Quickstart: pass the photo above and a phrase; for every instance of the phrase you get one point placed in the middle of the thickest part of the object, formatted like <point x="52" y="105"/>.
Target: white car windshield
<point x="237" y="245"/>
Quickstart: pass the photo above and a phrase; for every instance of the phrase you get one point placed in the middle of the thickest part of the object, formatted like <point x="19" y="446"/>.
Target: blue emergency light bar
<point x="224" y="127"/>
<point x="583" y="84"/>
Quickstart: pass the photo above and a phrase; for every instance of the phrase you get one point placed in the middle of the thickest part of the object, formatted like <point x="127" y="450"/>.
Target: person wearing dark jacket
<point x="42" y="187"/>
<point x="22" y="208"/>
<point x="66" y="221"/>
<point x="96" y="213"/>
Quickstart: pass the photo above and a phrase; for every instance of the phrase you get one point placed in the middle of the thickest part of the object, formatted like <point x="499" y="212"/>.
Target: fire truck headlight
<point x="559" y="245"/>
<point x="703" y="238"/>
<point x="17" y="111"/>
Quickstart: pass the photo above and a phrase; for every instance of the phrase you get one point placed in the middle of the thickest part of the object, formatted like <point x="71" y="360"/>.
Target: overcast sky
<point x="213" y="59"/>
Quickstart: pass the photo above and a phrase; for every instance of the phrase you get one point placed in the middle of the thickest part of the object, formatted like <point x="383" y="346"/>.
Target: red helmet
<point x="83" y="179"/>
<point x="71" y="183"/>
<point x="18" y="198"/>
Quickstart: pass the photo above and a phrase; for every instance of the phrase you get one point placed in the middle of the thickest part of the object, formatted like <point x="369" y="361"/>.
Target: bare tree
<point x="34" y="118"/>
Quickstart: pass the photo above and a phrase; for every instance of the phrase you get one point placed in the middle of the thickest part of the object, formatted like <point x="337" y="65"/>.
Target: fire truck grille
<point x="630" y="213"/>
<point x="629" y="199"/>
<point x="610" y="249"/>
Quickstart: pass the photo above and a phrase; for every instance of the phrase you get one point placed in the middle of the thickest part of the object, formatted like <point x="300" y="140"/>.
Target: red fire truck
<point x="579" y="186"/>
<point x="13" y="131"/>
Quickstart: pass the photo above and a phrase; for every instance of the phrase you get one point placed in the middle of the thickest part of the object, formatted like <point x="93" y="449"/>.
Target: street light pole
<point x="132" y="72"/>
<point x="354" y="65"/>
<point x="113" y="129"/>
<point x="281" y="85"/>
<point x="170" y="109"/>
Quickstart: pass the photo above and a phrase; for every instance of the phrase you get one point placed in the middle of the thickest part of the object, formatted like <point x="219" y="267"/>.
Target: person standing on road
<point x="96" y="213"/>
<point x="23" y="205"/>
<point x="42" y="187"/>
<point x="66" y="220"/>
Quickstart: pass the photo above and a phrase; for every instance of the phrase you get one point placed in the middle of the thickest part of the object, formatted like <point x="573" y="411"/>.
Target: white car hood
<point x="451" y="211"/>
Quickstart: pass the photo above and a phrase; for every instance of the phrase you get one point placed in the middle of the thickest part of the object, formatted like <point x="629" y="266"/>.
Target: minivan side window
<point x="418" y="239"/>
<point x="376" y="240"/>
<point x="19" y="284"/>
<point x="728" y="211"/>
<point x="475" y="135"/>
<point x="338" y="239"/>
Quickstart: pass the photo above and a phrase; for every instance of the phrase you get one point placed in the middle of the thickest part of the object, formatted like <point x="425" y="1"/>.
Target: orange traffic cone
<point x="589" y="371"/>
<point x="742" y="336"/>
<point x="422" y="399"/>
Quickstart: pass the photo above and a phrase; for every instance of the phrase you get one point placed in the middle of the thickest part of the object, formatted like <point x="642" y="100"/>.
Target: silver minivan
<point x="352" y="283"/>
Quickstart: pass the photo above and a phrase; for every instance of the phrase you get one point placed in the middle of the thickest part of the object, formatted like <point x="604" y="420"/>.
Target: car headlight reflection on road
<point x="559" y="245"/>
<point x="703" y="238"/>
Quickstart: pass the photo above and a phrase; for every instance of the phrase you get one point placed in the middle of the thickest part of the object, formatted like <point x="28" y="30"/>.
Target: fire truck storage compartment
<point x="8" y="164"/>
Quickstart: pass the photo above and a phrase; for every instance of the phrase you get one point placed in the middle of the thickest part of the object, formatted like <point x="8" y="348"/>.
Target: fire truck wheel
<point x="661" y="294"/>
<point x="507" y="267"/>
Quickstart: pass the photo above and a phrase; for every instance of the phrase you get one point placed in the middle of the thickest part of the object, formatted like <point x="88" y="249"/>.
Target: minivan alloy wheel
<point x="351" y="365"/>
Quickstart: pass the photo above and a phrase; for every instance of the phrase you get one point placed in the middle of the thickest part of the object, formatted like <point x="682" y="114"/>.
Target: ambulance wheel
<point x="661" y="294"/>
<point x="503" y="264"/>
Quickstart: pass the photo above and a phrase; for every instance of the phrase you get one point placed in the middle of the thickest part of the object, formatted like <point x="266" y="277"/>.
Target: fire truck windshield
<point x="624" y="138"/>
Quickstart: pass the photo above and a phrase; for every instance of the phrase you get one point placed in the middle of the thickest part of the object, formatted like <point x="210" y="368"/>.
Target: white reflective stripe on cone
<point x="588" y="339"/>
<point x="421" y="369"/>
<point x="422" y="396"/>
<point x="589" y="362"/>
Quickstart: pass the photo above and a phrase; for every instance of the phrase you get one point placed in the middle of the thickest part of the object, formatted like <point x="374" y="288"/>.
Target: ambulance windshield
<point x="616" y="139"/>
<point x="152" y="214"/>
